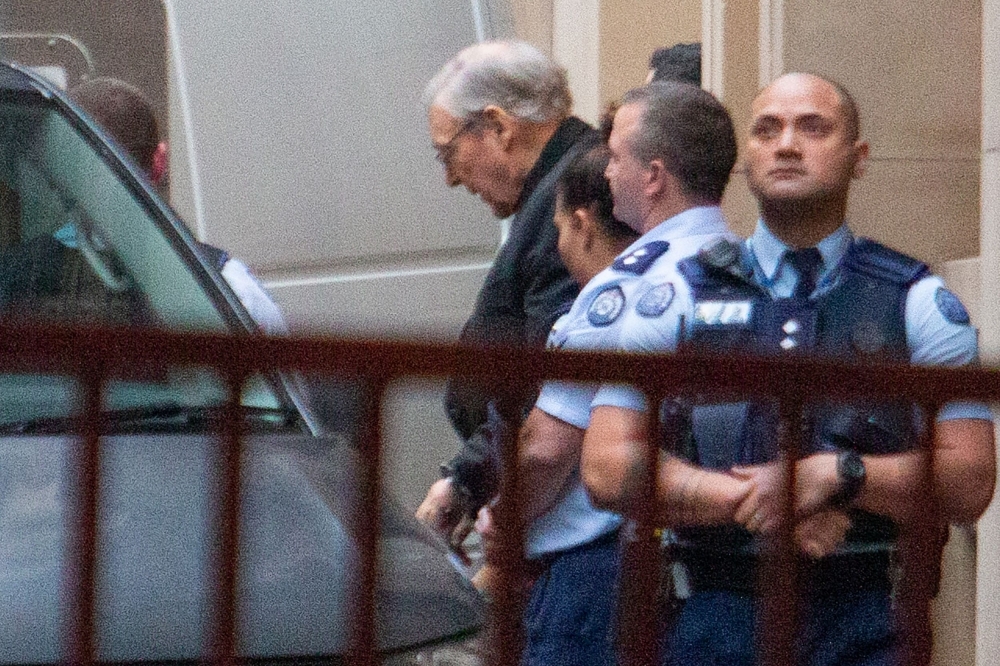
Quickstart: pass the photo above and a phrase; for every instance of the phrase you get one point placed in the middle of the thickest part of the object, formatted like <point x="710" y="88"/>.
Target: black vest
<point x="861" y="319"/>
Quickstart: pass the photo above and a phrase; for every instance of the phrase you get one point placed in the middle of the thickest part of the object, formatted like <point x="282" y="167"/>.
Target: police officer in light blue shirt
<point x="803" y="284"/>
<point x="936" y="323"/>
<point x="672" y="148"/>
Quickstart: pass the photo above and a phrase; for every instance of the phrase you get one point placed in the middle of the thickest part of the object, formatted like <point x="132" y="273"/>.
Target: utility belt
<point x="710" y="570"/>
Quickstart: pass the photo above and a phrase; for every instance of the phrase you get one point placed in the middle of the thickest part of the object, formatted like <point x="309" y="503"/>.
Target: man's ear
<point x="158" y="169"/>
<point x="502" y="123"/>
<point x="860" y="159"/>
<point x="656" y="177"/>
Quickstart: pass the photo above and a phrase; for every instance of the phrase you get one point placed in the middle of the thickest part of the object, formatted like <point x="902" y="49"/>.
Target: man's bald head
<point x="802" y="152"/>
<point x="849" y="107"/>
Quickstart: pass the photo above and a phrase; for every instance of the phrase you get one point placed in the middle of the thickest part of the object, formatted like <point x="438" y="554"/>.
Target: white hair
<point x="512" y="75"/>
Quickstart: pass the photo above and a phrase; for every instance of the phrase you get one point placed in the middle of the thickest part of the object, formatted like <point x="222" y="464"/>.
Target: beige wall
<point x="914" y="68"/>
<point x="988" y="574"/>
<point x="605" y="44"/>
<point x="632" y="29"/>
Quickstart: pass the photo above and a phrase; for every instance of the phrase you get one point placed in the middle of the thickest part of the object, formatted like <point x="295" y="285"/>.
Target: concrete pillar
<point x="605" y="44"/>
<point x="988" y="571"/>
<point x="576" y="43"/>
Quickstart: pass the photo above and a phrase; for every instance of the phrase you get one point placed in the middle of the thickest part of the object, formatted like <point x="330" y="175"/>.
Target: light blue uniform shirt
<point x="620" y="309"/>
<point x="931" y="336"/>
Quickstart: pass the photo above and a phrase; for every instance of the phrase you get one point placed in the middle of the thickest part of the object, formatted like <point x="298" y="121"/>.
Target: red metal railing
<point x="97" y="355"/>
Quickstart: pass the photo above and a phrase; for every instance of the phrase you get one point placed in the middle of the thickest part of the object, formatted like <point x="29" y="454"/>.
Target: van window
<point x="80" y="244"/>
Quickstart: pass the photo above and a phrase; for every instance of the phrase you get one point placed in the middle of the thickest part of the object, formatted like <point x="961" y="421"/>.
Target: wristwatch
<point x="850" y="477"/>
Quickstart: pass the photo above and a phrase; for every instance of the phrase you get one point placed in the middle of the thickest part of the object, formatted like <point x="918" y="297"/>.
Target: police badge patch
<point x="950" y="307"/>
<point x="606" y="307"/>
<point x="656" y="301"/>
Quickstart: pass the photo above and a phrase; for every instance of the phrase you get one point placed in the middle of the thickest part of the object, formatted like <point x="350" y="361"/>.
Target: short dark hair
<point x="680" y="62"/>
<point x="124" y="113"/>
<point x="583" y="185"/>
<point x="607" y="120"/>
<point x="690" y="130"/>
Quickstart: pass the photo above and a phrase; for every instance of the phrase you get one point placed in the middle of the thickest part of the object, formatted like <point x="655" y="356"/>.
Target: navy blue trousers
<point x="848" y="629"/>
<point x="570" y="616"/>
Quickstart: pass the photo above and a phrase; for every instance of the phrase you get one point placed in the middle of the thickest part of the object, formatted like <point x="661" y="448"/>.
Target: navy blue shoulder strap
<point x="639" y="261"/>
<point x="875" y="260"/>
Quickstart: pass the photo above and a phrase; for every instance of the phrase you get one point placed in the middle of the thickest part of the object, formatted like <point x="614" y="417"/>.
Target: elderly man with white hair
<point x="500" y="121"/>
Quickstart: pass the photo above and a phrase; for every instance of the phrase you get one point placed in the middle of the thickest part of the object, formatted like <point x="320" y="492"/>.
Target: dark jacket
<point x="526" y="290"/>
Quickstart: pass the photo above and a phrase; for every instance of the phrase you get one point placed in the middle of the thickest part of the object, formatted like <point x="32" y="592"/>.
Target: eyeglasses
<point x="446" y="150"/>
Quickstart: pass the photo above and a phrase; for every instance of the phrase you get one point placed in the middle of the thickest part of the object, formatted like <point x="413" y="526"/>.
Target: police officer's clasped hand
<point x="816" y="482"/>
<point x="818" y="530"/>
<point x="761" y="512"/>
<point x="820" y="534"/>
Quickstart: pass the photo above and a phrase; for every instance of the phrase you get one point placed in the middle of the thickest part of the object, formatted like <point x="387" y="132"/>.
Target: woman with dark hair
<point x="590" y="237"/>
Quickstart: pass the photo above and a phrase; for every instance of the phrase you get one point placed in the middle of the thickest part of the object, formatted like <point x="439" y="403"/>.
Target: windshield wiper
<point x="167" y="417"/>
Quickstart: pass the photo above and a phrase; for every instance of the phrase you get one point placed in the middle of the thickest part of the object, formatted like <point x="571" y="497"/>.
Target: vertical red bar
<point x="367" y="528"/>
<point x="81" y="574"/>
<point x="638" y="614"/>
<point x="224" y="623"/>
<point x="777" y="584"/>
<point x="505" y="628"/>
<point x="920" y="548"/>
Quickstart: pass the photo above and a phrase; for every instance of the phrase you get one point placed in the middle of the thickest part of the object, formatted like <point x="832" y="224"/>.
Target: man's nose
<point x="788" y="140"/>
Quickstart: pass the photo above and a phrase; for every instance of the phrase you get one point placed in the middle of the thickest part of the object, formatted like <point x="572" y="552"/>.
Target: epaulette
<point x="875" y="260"/>
<point x="639" y="260"/>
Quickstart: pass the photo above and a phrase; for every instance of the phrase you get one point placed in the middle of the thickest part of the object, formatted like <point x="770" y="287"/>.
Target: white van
<point x="299" y="144"/>
<point x="298" y="141"/>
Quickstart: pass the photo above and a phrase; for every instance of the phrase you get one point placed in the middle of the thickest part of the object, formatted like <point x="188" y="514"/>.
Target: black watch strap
<point x="850" y="477"/>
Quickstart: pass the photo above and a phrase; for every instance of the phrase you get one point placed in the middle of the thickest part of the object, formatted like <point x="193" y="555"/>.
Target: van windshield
<point x="81" y="244"/>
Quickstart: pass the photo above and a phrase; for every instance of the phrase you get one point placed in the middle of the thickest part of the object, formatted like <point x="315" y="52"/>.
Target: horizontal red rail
<point x="99" y="354"/>
<point x="137" y="351"/>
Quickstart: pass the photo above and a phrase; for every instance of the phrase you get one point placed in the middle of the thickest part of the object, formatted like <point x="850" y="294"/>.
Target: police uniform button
<point x="791" y="327"/>
<point x="788" y="343"/>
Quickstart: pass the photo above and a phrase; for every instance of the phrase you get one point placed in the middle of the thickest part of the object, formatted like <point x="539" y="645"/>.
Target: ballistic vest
<point x="861" y="319"/>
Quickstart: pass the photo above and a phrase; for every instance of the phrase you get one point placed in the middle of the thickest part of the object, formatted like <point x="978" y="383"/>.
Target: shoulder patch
<point x="950" y="307"/>
<point x="639" y="261"/>
<point x="656" y="301"/>
<point x="607" y="306"/>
